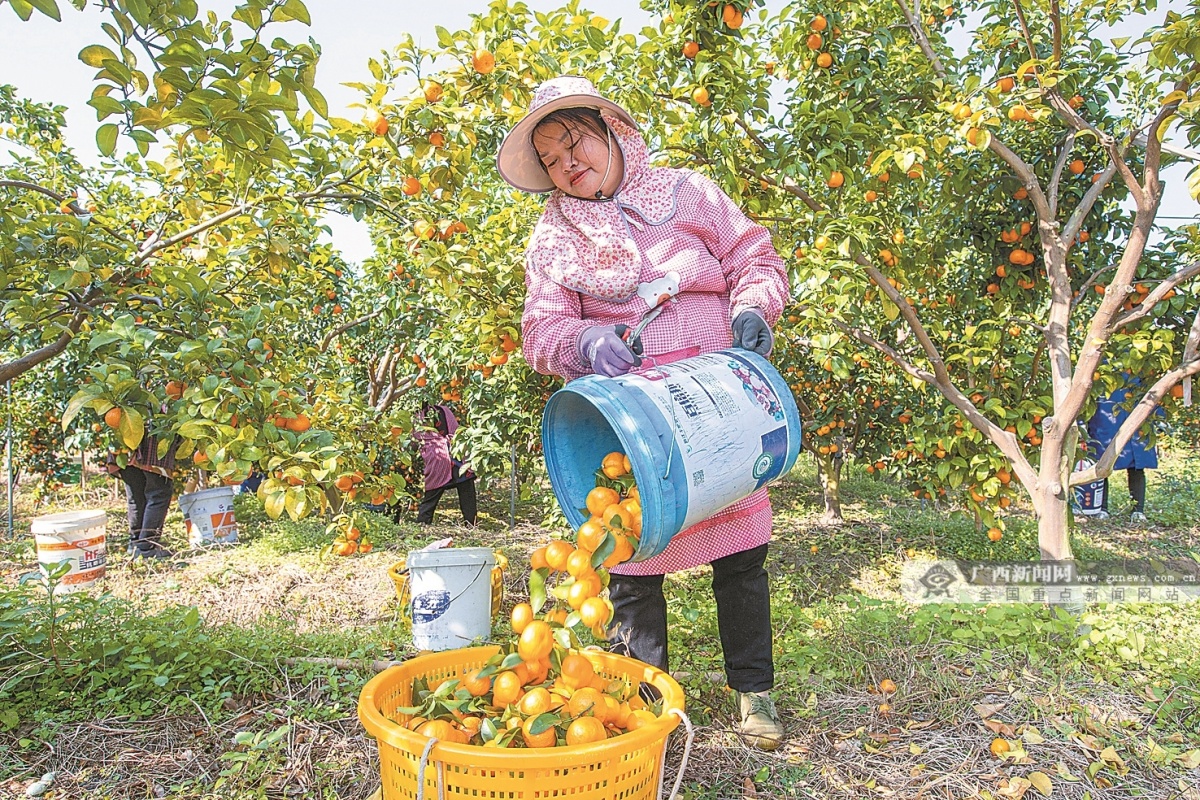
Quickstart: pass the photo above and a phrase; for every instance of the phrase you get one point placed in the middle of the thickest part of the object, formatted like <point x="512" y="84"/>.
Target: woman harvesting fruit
<point x="633" y="263"/>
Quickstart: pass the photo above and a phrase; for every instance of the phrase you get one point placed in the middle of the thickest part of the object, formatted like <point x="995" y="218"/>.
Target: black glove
<point x="751" y="332"/>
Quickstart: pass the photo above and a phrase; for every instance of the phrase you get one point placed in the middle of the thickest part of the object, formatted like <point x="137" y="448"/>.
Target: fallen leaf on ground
<point x="986" y="710"/>
<point x="1000" y="728"/>
<point x="748" y="788"/>
<point x="1015" y="788"/>
<point x="1041" y="782"/>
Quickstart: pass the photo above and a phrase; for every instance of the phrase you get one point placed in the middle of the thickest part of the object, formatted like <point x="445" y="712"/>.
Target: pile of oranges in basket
<point x="540" y="690"/>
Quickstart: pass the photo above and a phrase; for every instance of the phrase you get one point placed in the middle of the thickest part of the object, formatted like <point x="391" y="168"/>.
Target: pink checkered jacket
<point x="695" y="241"/>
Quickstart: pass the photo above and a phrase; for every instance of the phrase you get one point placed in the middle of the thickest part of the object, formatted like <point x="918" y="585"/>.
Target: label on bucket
<point x="429" y="606"/>
<point x="729" y="425"/>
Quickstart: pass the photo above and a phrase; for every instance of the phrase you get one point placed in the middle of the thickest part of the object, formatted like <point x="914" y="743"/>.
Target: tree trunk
<point x="829" y="472"/>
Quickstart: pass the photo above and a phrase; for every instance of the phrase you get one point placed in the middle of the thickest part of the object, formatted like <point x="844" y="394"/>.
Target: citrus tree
<point x="174" y="271"/>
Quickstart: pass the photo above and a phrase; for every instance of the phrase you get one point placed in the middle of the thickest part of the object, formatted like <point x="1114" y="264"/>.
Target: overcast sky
<point x="40" y="58"/>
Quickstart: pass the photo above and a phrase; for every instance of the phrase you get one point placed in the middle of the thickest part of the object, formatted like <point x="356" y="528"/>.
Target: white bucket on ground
<point x="451" y="592"/>
<point x="1089" y="497"/>
<point x="75" y="536"/>
<point x="208" y="516"/>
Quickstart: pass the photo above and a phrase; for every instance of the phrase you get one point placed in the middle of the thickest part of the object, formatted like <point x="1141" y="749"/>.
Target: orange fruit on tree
<point x="432" y="91"/>
<point x="522" y="615"/>
<point x="411" y="186"/>
<point x="299" y="423"/>
<point x="814" y="41"/>
<point x="995" y="534"/>
<point x="1077" y="166"/>
<point x="375" y="122"/>
<point x="691" y="49"/>
<point x="700" y="96"/>
<point x="536" y="641"/>
<point x="870" y="196"/>
<point x="507" y="689"/>
<point x="1005" y="84"/>
<point x="112" y="417"/>
<point x="437" y="139"/>
<point x="547" y="738"/>
<point x="537" y="559"/>
<point x="819" y="23"/>
<point x="175" y="389"/>
<point x="732" y="17"/>
<point x="586" y="730"/>
<point x="601" y="498"/>
<point x="577" y="671"/>
<point x="825" y="61"/>
<point x="344" y="483"/>
<point x="557" y="553"/>
<point x="483" y="61"/>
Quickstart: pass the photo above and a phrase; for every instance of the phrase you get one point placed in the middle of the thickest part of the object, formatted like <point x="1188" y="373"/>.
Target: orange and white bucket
<point x="208" y="516"/>
<point x="75" y="536"/>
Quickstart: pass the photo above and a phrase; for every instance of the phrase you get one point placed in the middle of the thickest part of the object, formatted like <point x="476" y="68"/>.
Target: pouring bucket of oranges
<point x="698" y="435"/>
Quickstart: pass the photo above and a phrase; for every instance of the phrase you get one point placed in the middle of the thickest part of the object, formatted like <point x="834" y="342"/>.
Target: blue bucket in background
<point x="700" y="434"/>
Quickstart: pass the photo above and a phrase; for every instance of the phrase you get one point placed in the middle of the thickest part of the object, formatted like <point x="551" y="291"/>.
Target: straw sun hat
<point x="517" y="160"/>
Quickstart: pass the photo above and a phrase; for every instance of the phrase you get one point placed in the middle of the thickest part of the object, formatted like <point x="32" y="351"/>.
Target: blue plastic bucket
<point x="700" y="433"/>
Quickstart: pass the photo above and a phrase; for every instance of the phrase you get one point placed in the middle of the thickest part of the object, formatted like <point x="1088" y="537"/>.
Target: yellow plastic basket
<point x="399" y="575"/>
<point x="626" y="767"/>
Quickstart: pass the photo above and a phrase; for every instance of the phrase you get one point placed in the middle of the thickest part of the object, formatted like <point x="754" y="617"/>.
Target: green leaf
<point x="132" y="428"/>
<point x="47" y="7"/>
<point x="273" y="504"/>
<point x="106" y="139"/>
<point x="76" y="404"/>
<point x="543" y="723"/>
<point x="316" y="100"/>
<point x="94" y="55"/>
<point x="537" y="589"/>
<point x="23" y="9"/>
<point x="293" y="9"/>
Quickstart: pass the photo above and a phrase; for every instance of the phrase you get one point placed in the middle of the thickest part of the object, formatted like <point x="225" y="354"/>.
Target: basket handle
<point x="687" y="751"/>
<point x="441" y="774"/>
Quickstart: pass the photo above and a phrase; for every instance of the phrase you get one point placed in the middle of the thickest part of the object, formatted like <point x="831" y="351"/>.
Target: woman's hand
<point x="603" y="347"/>
<point x="751" y="332"/>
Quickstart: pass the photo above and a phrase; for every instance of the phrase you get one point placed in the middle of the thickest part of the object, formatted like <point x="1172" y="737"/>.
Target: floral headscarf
<point x="585" y="245"/>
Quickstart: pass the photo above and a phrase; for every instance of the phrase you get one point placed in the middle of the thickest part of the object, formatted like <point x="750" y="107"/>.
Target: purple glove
<point x="603" y="347"/>
<point x="751" y="332"/>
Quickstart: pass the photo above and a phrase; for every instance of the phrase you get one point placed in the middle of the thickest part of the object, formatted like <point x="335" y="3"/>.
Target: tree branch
<point x="918" y="33"/>
<point x="30" y="360"/>
<point x="340" y="329"/>
<point x="1074" y="223"/>
<point x="1056" y="176"/>
<point x="1152" y="299"/>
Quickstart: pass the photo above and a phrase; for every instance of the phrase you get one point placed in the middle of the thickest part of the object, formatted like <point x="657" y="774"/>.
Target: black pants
<point x="464" y="484"/>
<point x="1137" y="489"/>
<point x="742" y="592"/>
<point x="148" y="496"/>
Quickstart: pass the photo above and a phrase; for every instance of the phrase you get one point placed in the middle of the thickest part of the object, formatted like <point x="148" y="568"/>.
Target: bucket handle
<point x="687" y="751"/>
<point x="441" y="772"/>
<point x="482" y="567"/>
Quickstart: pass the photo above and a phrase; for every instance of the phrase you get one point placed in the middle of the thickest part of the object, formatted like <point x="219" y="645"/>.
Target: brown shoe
<point x="760" y="725"/>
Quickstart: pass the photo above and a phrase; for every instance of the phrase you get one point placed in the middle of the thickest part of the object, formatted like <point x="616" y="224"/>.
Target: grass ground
<point x="234" y="673"/>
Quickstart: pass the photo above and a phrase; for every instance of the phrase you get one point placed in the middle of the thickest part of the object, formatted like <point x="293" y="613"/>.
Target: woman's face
<point x="577" y="159"/>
